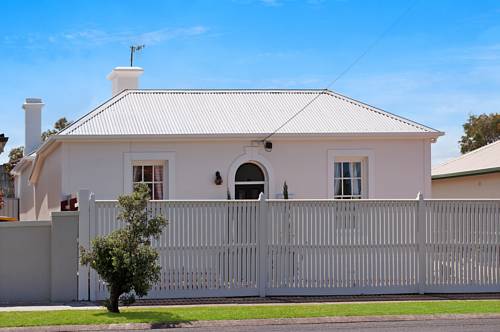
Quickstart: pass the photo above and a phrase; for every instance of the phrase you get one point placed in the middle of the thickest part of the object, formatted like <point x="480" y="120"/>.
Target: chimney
<point x="123" y="78"/>
<point x="32" y="124"/>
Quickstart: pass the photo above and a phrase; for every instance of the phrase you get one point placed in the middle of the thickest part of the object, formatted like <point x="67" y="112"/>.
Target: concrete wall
<point x="25" y="262"/>
<point x="38" y="260"/>
<point x="474" y="186"/>
<point x="401" y="168"/>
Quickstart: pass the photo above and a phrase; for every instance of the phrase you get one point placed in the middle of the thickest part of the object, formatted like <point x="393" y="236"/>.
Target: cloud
<point x="96" y="37"/>
<point x="272" y="3"/>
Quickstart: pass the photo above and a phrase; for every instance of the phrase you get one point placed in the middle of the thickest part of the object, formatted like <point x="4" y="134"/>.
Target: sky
<point x="436" y="65"/>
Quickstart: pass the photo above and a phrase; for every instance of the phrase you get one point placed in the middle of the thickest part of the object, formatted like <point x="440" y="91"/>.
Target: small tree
<point x="125" y="259"/>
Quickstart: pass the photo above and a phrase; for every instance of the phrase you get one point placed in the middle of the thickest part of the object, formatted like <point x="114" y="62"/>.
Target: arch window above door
<point x="249" y="181"/>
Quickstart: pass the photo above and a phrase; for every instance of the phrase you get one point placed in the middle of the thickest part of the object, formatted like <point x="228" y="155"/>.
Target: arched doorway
<point x="249" y="182"/>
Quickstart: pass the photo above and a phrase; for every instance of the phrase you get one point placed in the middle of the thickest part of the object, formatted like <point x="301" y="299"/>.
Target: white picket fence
<point x="313" y="247"/>
<point x="10" y="208"/>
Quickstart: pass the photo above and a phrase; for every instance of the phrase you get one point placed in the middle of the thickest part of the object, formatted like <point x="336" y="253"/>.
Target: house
<point x="473" y="175"/>
<point x="3" y="141"/>
<point x="219" y="144"/>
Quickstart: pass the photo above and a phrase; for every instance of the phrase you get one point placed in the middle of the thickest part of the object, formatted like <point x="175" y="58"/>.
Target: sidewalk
<point x="249" y="322"/>
<point x="272" y="300"/>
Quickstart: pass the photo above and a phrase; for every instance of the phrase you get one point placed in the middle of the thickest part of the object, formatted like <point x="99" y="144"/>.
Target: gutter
<point x="467" y="173"/>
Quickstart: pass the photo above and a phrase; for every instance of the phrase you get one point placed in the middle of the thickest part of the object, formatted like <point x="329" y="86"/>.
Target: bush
<point x="125" y="259"/>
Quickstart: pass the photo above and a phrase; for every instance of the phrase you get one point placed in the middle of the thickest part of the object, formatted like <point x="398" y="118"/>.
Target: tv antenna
<point x="133" y="49"/>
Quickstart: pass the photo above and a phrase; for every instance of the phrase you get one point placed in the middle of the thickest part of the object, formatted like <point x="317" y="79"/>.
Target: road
<point x="455" y="325"/>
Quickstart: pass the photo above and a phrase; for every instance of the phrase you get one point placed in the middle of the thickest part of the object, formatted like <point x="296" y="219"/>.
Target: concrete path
<point x="271" y="300"/>
<point x="417" y="323"/>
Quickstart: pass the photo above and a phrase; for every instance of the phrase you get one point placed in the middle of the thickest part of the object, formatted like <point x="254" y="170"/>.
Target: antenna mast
<point x="133" y="49"/>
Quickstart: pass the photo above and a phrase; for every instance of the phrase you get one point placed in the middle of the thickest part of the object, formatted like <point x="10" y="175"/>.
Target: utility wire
<point x="348" y="68"/>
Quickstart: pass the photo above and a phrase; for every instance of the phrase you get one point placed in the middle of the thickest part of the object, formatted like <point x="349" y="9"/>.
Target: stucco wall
<point x="48" y="188"/>
<point x="25" y="193"/>
<point x="401" y="168"/>
<point x="474" y="186"/>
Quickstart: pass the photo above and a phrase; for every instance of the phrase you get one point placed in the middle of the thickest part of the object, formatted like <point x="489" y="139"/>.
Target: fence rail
<point x="323" y="247"/>
<point x="10" y="208"/>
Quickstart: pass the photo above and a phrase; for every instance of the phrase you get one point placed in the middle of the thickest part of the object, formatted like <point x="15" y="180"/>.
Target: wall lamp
<point x="218" y="179"/>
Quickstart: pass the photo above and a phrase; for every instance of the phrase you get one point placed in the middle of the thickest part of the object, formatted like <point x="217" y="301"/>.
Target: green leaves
<point x="125" y="259"/>
<point x="480" y="130"/>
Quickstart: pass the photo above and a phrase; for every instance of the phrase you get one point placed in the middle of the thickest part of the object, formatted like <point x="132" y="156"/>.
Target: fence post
<point x="83" y="240"/>
<point x="92" y="234"/>
<point x="262" y="245"/>
<point x="421" y="242"/>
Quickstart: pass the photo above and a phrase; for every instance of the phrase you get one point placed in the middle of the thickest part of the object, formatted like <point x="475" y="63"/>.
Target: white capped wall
<point x="401" y="168"/>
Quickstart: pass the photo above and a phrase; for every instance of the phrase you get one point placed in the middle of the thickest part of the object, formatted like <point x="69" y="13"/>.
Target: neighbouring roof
<point x="3" y="141"/>
<point x="238" y="112"/>
<point x="480" y="161"/>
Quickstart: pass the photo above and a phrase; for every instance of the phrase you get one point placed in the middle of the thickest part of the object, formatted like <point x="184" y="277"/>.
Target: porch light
<point x="218" y="178"/>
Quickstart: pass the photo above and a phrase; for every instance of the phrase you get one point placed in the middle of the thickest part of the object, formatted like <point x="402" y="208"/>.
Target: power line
<point x="348" y="68"/>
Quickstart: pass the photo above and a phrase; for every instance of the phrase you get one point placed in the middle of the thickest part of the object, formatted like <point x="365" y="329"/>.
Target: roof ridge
<point x="468" y="154"/>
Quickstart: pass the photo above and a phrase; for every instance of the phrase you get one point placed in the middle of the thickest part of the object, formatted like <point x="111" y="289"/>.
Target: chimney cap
<point x="125" y="72"/>
<point x="33" y="100"/>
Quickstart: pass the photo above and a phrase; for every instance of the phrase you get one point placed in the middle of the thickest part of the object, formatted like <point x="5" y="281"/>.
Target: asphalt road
<point x="455" y="325"/>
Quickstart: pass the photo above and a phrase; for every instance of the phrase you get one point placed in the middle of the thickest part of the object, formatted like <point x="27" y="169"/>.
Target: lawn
<point x="187" y="314"/>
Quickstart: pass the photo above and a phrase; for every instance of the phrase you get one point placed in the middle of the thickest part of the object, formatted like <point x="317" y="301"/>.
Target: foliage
<point x="125" y="259"/>
<point x="15" y="155"/>
<point x="1" y="199"/>
<point x="58" y="126"/>
<point x="480" y="130"/>
<point x="285" y="190"/>
<point x="174" y="315"/>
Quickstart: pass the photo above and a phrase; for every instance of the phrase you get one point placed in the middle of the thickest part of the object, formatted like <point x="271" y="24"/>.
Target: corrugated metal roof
<point x="484" y="158"/>
<point x="220" y="112"/>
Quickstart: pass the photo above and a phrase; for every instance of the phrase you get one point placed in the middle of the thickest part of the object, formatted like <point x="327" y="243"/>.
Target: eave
<point x="467" y="173"/>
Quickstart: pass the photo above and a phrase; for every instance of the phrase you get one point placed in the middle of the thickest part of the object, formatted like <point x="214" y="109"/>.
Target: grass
<point x="187" y="314"/>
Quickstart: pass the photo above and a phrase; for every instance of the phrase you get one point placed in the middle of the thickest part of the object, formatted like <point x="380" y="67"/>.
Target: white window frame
<point x="135" y="158"/>
<point x="367" y="158"/>
<point x="153" y="163"/>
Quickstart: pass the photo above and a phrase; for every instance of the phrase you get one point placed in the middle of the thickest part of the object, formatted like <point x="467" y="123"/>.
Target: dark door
<point x="248" y="191"/>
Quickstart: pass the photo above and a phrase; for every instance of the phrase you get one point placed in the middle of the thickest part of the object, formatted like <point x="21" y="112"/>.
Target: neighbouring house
<point x="3" y="141"/>
<point x="6" y="185"/>
<point x="216" y="144"/>
<point x="473" y="175"/>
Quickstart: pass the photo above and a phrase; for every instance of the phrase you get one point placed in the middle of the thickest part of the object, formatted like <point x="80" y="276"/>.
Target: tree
<point x="480" y="130"/>
<point x="58" y="126"/>
<point x="15" y="155"/>
<point x="125" y="259"/>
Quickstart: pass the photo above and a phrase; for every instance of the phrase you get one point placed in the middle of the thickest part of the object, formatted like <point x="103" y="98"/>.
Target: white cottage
<point x="216" y="144"/>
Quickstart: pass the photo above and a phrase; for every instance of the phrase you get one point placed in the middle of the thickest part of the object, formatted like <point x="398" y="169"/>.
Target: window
<point x="150" y="174"/>
<point x="348" y="180"/>
<point x="249" y="181"/>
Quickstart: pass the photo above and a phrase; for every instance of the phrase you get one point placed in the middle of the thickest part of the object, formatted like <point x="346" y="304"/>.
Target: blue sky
<point x="440" y="63"/>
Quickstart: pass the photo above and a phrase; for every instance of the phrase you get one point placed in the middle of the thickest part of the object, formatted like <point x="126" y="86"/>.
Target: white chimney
<point x="32" y="124"/>
<point x="123" y="78"/>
